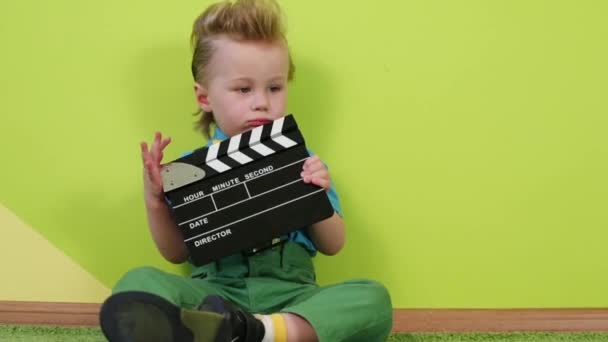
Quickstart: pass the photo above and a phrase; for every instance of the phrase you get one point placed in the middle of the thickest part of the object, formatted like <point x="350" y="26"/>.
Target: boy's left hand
<point x="315" y="172"/>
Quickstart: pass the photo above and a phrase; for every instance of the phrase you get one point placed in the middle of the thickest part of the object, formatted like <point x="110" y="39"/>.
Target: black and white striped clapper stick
<point x="242" y="192"/>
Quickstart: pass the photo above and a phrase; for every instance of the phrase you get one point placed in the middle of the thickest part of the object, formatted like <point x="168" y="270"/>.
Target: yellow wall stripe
<point x="34" y="270"/>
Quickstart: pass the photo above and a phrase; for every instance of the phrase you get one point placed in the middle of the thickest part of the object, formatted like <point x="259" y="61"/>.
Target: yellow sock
<point x="275" y="327"/>
<point x="280" y="328"/>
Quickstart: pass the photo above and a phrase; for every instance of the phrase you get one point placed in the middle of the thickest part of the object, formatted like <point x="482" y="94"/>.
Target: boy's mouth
<point x="258" y="122"/>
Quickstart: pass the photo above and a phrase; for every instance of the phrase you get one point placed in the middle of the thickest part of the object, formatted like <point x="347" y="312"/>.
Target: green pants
<point x="281" y="279"/>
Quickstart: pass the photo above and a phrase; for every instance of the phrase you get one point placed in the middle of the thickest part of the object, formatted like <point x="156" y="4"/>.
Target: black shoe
<point x="241" y="326"/>
<point x="143" y="317"/>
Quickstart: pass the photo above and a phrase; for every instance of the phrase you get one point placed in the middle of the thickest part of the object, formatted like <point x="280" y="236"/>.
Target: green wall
<point x="467" y="139"/>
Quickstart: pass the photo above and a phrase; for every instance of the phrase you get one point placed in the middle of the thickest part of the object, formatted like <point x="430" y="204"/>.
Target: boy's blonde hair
<point x="241" y="20"/>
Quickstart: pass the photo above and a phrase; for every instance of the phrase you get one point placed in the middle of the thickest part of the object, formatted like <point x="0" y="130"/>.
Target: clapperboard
<point x="243" y="192"/>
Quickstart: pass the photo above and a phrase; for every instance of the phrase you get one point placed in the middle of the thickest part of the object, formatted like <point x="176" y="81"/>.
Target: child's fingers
<point x="155" y="152"/>
<point x="307" y="173"/>
<point x="322" y="182"/>
<point x="156" y="145"/>
<point x="306" y="163"/>
<point x="149" y="166"/>
<point x="144" y="148"/>
<point x="157" y="138"/>
<point x="314" y="171"/>
<point x="158" y="157"/>
<point x="314" y="167"/>
<point x="151" y="158"/>
<point x="147" y="173"/>
<point x="145" y="153"/>
<point x="319" y="174"/>
<point x="164" y="143"/>
<point x="310" y="162"/>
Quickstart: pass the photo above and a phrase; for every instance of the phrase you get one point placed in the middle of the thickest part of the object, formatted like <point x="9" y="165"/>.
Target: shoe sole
<point x="135" y="316"/>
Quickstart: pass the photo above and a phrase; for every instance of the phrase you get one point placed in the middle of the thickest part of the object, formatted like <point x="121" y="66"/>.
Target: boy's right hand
<point x="153" y="184"/>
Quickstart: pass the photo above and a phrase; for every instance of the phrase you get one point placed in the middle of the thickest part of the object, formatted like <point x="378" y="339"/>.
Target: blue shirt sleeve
<point x="334" y="200"/>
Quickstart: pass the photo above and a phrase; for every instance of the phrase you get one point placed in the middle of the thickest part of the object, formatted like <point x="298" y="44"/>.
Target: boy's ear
<point x="202" y="97"/>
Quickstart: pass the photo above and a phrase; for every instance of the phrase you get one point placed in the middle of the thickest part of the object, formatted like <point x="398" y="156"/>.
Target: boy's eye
<point x="244" y="90"/>
<point x="275" y="88"/>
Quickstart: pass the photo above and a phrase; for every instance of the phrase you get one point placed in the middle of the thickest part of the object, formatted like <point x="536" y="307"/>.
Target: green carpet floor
<point x="9" y="333"/>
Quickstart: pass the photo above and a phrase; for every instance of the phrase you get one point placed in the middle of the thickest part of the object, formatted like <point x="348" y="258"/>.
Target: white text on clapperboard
<point x="212" y="237"/>
<point x="218" y="187"/>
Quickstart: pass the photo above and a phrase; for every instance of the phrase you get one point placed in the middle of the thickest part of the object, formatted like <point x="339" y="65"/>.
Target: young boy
<point x="241" y="67"/>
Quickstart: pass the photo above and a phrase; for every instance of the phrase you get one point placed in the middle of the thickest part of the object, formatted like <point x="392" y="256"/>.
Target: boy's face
<point x="246" y="84"/>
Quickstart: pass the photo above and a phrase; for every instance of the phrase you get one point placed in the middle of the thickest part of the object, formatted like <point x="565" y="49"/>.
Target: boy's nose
<point x="260" y="103"/>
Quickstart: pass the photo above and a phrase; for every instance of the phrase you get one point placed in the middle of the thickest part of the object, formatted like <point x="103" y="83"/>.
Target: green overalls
<point x="280" y="279"/>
